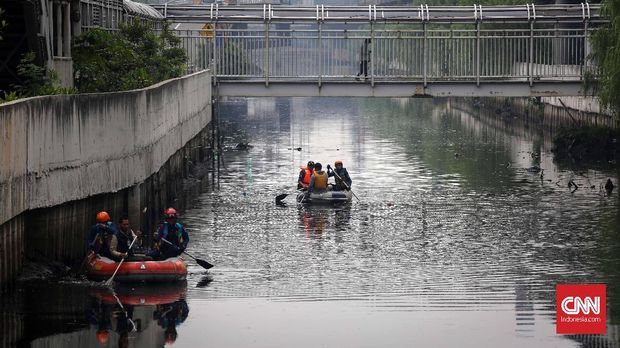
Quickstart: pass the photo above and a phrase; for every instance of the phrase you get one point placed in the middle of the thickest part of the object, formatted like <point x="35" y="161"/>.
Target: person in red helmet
<point x="341" y="175"/>
<point x="173" y="232"/>
<point x="100" y="235"/>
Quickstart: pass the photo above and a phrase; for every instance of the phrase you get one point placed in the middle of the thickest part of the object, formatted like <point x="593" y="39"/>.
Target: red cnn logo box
<point x="580" y="308"/>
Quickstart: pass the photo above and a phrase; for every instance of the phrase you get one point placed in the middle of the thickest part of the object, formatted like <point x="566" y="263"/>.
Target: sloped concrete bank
<point x="66" y="157"/>
<point x="550" y="112"/>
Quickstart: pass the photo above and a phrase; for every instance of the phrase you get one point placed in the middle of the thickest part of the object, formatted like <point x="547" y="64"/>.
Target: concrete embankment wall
<point x="82" y="153"/>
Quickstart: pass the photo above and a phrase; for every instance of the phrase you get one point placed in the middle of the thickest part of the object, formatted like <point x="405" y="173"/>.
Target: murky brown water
<point x="453" y="242"/>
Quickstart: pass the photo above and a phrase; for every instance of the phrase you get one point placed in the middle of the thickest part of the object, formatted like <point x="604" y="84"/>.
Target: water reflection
<point x="315" y="219"/>
<point x="143" y="315"/>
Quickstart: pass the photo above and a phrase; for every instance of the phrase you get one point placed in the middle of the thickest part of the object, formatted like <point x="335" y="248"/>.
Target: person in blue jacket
<point x="100" y="235"/>
<point x="171" y="238"/>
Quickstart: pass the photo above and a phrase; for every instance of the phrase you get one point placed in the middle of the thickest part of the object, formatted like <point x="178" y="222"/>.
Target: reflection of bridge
<point x="414" y="51"/>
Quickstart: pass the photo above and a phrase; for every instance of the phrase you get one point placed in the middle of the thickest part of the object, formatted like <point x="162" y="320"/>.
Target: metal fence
<point x="463" y="53"/>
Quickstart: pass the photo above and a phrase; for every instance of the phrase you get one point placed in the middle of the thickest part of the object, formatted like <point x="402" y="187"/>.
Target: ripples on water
<point x="449" y="219"/>
<point x="452" y="242"/>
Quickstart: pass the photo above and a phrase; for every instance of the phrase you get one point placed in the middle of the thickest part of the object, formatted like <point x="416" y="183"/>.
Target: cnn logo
<point x="581" y="308"/>
<point x="574" y="305"/>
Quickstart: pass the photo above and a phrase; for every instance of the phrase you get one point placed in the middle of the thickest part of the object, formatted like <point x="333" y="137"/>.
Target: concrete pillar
<point x="58" y="31"/>
<point x="66" y="8"/>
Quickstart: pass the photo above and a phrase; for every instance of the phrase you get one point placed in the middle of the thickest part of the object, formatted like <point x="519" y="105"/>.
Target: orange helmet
<point x="338" y="162"/>
<point x="102" y="336"/>
<point x="170" y="213"/>
<point x="103" y="217"/>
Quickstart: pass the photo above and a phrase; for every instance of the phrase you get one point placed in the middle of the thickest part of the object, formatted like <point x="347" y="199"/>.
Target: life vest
<point x="123" y="241"/>
<point x="175" y="238"/>
<point x="320" y="180"/>
<point x="307" y="176"/>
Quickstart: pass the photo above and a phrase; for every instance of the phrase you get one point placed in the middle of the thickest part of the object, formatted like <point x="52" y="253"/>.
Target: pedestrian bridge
<point x="267" y="50"/>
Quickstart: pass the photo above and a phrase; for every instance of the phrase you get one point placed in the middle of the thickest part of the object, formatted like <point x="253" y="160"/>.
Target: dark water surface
<point x="453" y="242"/>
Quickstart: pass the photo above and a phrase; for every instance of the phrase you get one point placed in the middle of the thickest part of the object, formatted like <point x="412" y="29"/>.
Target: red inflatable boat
<point x="170" y="270"/>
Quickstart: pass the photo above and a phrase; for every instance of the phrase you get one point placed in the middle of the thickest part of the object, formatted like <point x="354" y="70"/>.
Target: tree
<point x="2" y="23"/>
<point x="606" y="55"/>
<point x="134" y="57"/>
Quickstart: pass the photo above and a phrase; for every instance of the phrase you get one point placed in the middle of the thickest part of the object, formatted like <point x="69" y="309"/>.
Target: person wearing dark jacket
<point x="341" y="175"/>
<point x="120" y="242"/>
<point x="171" y="237"/>
<point x="100" y="235"/>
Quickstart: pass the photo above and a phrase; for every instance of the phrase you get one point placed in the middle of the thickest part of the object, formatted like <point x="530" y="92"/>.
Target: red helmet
<point x="170" y="336"/>
<point x="103" y="217"/>
<point x="102" y="336"/>
<point x="170" y="213"/>
<point x="338" y="162"/>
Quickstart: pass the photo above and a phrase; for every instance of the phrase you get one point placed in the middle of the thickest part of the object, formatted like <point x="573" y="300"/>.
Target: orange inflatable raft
<point x="171" y="270"/>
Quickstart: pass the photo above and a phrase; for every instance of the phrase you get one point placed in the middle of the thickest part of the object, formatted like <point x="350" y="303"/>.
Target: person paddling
<point x="341" y="175"/>
<point x="120" y="242"/>
<point x="173" y="232"/>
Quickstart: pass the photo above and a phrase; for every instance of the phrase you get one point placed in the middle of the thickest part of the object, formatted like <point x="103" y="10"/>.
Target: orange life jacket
<point x="320" y="180"/>
<point x="308" y="176"/>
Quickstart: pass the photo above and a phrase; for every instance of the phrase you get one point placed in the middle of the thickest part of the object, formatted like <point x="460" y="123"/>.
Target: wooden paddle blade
<point x="204" y="264"/>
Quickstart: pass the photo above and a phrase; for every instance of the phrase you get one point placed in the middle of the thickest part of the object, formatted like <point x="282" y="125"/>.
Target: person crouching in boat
<point x="343" y="180"/>
<point x="173" y="232"/>
<point x="318" y="182"/>
<point x="120" y="242"/>
<point x="100" y="235"/>
<point x="305" y="175"/>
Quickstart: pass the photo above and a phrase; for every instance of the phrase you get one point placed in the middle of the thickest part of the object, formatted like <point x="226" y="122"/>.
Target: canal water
<point x="452" y="239"/>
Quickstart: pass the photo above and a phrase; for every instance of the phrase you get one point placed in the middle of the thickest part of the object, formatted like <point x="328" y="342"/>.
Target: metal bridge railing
<point x="417" y="55"/>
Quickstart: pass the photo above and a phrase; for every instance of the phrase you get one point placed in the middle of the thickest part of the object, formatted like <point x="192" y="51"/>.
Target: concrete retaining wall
<point x="62" y="148"/>
<point x="66" y="157"/>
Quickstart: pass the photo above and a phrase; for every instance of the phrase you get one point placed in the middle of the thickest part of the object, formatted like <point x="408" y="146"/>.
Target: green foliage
<point x="606" y="55"/>
<point x="2" y="23"/>
<point x="134" y="57"/>
<point x="9" y="96"/>
<point x="37" y="80"/>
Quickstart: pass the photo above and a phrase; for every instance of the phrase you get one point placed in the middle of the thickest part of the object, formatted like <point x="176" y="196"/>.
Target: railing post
<point x="530" y="66"/>
<point x="266" y="55"/>
<point x="320" y="43"/>
<point x="372" y="45"/>
<point x="424" y="49"/>
<point x="214" y="44"/>
<point x="478" y="19"/>
<point x="586" y="39"/>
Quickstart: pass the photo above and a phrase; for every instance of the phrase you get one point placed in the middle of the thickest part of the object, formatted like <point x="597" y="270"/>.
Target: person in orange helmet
<point x="103" y="336"/>
<point x="100" y="235"/>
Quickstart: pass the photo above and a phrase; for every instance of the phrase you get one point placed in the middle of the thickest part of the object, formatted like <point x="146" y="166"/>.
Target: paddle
<point x="280" y="197"/>
<point x="345" y="184"/>
<point x="109" y="281"/>
<point x="202" y="263"/>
